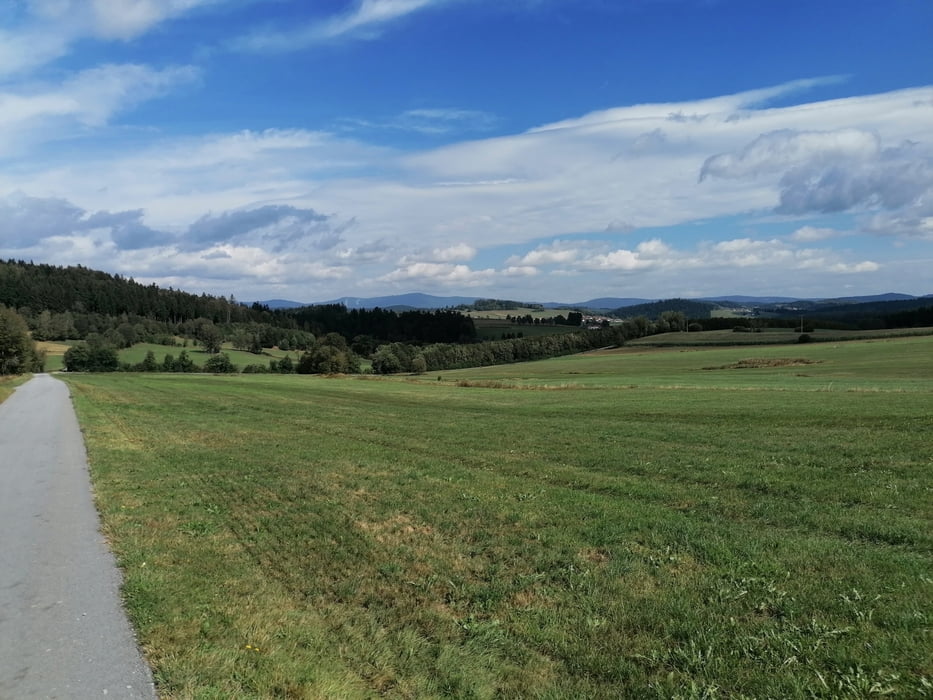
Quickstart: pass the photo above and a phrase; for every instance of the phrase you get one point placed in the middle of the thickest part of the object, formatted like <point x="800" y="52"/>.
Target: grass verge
<point x="8" y="384"/>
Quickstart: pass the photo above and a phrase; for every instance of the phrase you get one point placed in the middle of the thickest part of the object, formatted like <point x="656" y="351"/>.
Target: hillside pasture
<point x="694" y="523"/>
<point x="137" y="353"/>
<point x="769" y="336"/>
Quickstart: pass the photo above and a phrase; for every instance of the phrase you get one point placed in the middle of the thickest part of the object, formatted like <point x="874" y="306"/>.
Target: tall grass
<point x="744" y="535"/>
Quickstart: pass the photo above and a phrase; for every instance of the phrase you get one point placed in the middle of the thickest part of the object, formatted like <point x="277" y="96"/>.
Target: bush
<point x="220" y="364"/>
<point x="85" y="358"/>
<point x="805" y="338"/>
<point x="184" y="363"/>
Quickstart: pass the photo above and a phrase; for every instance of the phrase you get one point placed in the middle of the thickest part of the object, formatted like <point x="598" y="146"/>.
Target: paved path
<point x="63" y="633"/>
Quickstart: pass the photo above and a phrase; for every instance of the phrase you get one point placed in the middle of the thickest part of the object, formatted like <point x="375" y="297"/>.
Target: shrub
<point x="220" y="364"/>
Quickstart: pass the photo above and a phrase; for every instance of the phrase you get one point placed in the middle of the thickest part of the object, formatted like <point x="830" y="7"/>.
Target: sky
<point x="538" y="150"/>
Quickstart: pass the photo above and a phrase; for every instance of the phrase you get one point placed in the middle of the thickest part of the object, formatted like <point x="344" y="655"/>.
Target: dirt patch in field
<point x="765" y="362"/>
<point x="396" y="530"/>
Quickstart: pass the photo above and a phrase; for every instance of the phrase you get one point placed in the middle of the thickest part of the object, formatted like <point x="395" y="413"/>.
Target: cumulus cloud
<point x="455" y="253"/>
<point x="558" y="252"/>
<point x="520" y="271"/>
<point x="439" y="274"/>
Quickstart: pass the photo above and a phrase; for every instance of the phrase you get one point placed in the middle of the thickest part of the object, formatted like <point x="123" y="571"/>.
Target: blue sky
<point x="532" y="149"/>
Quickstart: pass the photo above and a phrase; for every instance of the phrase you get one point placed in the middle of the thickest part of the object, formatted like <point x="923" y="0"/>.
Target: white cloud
<point x="126" y="19"/>
<point x="896" y="178"/>
<point x="811" y="234"/>
<point x="433" y="121"/>
<point x="433" y="210"/>
<point x="558" y="252"/>
<point x="91" y="98"/>
<point x="455" y="253"/>
<point x="47" y="29"/>
<point x="615" y="260"/>
<point x="520" y="271"/>
<point x="865" y="266"/>
<point x="365" y="21"/>
<point x="779" y="151"/>
<point x="439" y="274"/>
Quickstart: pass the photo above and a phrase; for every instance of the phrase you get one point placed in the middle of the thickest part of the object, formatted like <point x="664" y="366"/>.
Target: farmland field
<point x="770" y="336"/>
<point x="727" y="522"/>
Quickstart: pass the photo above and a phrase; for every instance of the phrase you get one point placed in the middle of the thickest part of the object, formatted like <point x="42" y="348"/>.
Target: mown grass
<point x="611" y="525"/>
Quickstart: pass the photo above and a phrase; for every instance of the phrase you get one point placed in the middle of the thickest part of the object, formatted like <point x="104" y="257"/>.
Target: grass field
<point x="769" y="336"/>
<point x="54" y="354"/>
<point x="240" y="358"/>
<point x="752" y="522"/>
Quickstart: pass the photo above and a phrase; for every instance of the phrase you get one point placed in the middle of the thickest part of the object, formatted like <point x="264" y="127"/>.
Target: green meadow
<point x="137" y="353"/>
<point x="748" y="522"/>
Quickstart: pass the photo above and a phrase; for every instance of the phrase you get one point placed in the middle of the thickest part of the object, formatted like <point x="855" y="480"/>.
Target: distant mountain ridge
<point x="418" y="300"/>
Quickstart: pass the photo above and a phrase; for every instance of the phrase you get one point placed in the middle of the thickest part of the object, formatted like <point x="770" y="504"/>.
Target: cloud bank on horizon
<point x="557" y="149"/>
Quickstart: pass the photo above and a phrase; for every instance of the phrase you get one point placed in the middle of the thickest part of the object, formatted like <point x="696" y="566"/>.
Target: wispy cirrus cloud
<point x="36" y="113"/>
<point x="366" y="21"/>
<point x="433" y="121"/>
<point x="41" y="31"/>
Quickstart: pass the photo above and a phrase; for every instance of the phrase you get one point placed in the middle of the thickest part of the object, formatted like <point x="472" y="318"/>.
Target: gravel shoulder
<point x="63" y="632"/>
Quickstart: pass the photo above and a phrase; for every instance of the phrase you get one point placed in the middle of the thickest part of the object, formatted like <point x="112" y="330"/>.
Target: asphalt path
<point x="63" y="631"/>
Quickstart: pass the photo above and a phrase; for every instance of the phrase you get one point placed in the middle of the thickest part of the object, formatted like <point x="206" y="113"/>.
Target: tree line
<point x="76" y="303"/>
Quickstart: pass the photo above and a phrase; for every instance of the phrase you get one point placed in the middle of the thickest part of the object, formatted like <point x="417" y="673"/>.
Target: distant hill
<point x="869" y="308"/>
<point x="652" y="310"/>
<point x="601" y="304"/>
<point x="279" y="304"/>
<point x="751" y="301"/>
<point x="414" y="300"/>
